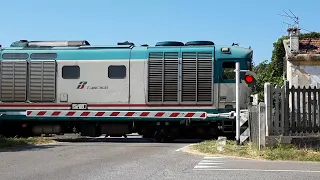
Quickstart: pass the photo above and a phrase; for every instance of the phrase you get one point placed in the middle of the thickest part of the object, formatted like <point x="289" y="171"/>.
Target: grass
<point x="14" y="142"/>
<point x="279" y="152"/>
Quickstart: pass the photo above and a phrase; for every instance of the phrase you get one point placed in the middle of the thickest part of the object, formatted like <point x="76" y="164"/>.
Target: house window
<point x="117" y="72"/>
<point x="70" y="72"/>
<point x="228" y="70"/>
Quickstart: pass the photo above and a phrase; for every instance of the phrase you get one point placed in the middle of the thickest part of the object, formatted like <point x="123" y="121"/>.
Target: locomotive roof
<point x="118" y="52"/>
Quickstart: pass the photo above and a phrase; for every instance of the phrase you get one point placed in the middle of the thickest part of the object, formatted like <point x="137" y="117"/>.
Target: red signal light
<point x="248" y="78"/>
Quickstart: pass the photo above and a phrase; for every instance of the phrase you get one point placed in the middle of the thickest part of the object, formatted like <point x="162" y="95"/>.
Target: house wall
<point x="302" y="64"/>
<point x="303" y="75"/>
<point x="301" y="69"/>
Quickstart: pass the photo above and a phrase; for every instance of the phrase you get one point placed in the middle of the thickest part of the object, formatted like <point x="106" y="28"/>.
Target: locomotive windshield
<point x="228" y="70"/>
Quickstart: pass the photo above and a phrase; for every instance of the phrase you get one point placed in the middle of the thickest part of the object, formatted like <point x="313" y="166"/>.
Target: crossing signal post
<point x="250" y="79"/>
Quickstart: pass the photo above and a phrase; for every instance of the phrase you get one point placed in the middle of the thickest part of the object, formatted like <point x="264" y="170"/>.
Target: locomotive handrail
<point x="19" y="113"/>
<point x="106" y="47"/>
<point x="229" y="115"/>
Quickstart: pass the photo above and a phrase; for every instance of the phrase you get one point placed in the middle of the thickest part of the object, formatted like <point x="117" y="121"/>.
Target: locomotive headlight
<point x="225" y="50"/>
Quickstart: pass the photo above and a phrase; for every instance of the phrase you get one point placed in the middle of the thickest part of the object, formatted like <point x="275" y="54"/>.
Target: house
<point x="302" y="60"/>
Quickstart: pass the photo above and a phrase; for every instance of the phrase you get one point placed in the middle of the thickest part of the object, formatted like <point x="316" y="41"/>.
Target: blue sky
<point x="247" y="22"/>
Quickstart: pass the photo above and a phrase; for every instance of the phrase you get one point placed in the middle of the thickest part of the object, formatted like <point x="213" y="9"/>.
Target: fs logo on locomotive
<point x="83" y="84"/>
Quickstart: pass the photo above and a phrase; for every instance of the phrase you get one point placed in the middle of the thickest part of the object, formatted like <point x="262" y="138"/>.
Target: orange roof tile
<point x="309" y="46"/>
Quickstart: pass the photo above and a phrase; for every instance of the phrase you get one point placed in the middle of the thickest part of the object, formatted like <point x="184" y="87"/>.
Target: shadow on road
<point x="131" y="138"/>
<point x="27" y="148"/>
<point x="124" y="140"/>
<point x="137" y="140"/>
<point x="78" y="139"/>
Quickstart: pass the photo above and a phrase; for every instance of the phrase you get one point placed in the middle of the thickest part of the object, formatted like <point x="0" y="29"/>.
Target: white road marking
<point x="212" y="157"/>
<point x="211" y="163"/>
<point x="208" y="163"/>
<point x="204" y="167"/>
<point x="262" y="170"/>
<point x="180" y="149"/>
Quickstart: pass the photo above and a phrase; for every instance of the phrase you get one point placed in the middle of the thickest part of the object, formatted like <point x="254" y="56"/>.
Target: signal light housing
<point x="250" y="78"/>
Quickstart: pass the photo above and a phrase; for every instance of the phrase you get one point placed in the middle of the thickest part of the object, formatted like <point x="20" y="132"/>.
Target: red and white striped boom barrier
<point x="134" y="114"/>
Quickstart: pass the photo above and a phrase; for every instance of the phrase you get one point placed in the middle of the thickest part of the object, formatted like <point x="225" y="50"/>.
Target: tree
<point x="266" y="73"/>
<point x="278" y="54"/>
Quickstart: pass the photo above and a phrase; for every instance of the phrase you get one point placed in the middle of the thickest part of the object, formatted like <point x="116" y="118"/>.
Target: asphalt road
<point x="137" y="159"/>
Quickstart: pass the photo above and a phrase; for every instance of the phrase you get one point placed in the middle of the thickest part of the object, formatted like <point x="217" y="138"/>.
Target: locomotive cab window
<point x="70" y="72"/>
<point x="228" y="70"/>
<point x="117" y="72"/>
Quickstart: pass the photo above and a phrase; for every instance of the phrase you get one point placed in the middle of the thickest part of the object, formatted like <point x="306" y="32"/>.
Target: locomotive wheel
<point x="90" y="130"/>
<point x="162" y="136"/>
<point x="147" y="133"/>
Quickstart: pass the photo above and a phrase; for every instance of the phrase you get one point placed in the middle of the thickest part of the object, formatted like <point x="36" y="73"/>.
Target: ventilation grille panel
<point x="163" y="77"/>
<point x="14" y="81"/>
<point x="195" y="83"/>
<point x="42" y="82"/>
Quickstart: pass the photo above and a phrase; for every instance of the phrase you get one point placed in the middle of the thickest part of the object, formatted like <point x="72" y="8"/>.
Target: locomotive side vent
<point x="170" y="90"/>
<point x="197" y="77"/>
<point x="163" y="77"/>
<point x="13" y="80"/>
<point x="195" y="84"/>
<point x="155" y="68"/>
<point x="42" y="81"/>
<point x="204" y="77"/>
<point x="189" y="76"/>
